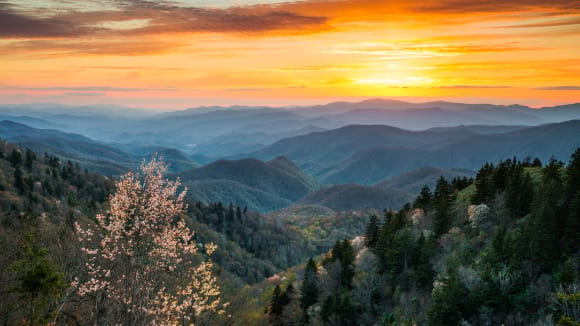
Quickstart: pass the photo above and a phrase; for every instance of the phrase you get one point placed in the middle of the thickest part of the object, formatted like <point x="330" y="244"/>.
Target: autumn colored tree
<point x="140" y="256"/>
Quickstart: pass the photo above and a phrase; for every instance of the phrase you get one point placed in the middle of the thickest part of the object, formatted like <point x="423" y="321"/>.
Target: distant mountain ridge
<point x="268" y="185"/>
<point x="367" y="154"/>
<point x="223" y="132"/>
<point x="390" y="193"/>
<point x="91" y="154"/>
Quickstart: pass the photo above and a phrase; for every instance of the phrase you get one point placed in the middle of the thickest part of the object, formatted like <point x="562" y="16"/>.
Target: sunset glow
<point x="176" y="54"/>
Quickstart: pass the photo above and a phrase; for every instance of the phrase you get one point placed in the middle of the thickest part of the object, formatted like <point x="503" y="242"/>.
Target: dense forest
<point x="502" y="249"/>
<point x="42" y="197"/>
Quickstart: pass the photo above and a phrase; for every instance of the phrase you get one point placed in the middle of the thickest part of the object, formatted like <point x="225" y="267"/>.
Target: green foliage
<point x="519" y="269"/>
<point x="484" y="183"/>
<point x="338" y="309"/>
<point x="309" y="289"/>
<point x="449" y="301"/>
<point x="423" y="201"/>
<point x="424" y="272"/>
<point x="442" y="205"/>
<point x="372" y="232"/>
<point x="37" y="280"/>
<point x="519" y="192"/>
<point x="343" y="254"/>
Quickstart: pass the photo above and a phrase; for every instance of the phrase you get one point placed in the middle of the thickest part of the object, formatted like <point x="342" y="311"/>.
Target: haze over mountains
<point x="343" y="156"/>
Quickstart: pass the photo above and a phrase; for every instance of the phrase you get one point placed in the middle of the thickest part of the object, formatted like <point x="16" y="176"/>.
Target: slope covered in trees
<point x="502" y="249"/>
<point x="368" y="153"/>
<point x="261" y="186"/>
<point x="43" y="198"/>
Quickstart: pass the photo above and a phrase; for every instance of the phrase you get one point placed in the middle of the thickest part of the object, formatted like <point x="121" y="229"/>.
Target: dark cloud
<point x="467" y="6"/>
<point x="160" y="17"/>
<point x="18" y="25"/>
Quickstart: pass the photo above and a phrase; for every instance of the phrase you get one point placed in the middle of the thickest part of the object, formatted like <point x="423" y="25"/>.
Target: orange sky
<point x="183" y="53"/>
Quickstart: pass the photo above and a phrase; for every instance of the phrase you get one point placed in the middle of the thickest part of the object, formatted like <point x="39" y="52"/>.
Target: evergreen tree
<point x="423" y="201"/>
<point x="460" y="183"/>
<point x="15" y="158"/>
<point x="37" y="280"/>
<point x="19" y="180"/>
<point x="344" y="254"/>
<point x="547" y="223"/>
<point x="573" y="175"/>
<point x="309" y="290"/>
<point x="572" y="230"/>
<point x="29" y="160"/>
<point x="442" y="205"/>
<point x="448" y="299"/>
<point x="280" y="299"/>
<point x="372" y="232"/>
<point x="423" y="271"/>
<point x="485" y="189"/>
<point x="276" y="306"/>
<point x="519" y="192"/>
<point x="338" y="310"/>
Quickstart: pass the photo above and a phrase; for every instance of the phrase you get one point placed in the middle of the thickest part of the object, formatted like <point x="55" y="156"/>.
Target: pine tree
<point x="372" y="232"/>
<point x="441" y="200"/>
<point x="29" y="160"/>
<point x="448" y="299"/>
<point x="485" y="189"/>
<point x="573" y="175"/>
<point x="572" y="233"/>
<point x="519" y="192"/>
<point x="423" y="201"/>
<point x="344" y="254"/>
<point x="423" y="271"/>
<point x="339" y="309"/>
<point x="548" y="219"/>
<point x="37" y="280"/>
<point x="19" y="180"/>
<point x="15" y="158"/>
<point x="309" y="289"/>
<point x="276" y="306"/>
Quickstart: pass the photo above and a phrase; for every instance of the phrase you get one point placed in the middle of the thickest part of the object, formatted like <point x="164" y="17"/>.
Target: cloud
<point x="551" y="23"/>
<point x="559" y="88"/>
<point x="66" y="47"/>
<point x="466" y="6"/>
<point x="18" y="25"/>
<point x="155" y="18"/>
<point x="473" y="86"/>
<point x="421" y="49"/>
<point x="83" y="89"/>
<point x="84" y="94"/>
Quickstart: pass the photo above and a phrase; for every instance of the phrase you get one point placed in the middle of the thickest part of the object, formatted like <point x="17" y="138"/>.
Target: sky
<point x="184" y="53"/>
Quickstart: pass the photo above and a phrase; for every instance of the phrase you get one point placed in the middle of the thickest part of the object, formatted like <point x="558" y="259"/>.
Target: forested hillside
<point x="42" y="199"/>
<point x="500" y="250"/>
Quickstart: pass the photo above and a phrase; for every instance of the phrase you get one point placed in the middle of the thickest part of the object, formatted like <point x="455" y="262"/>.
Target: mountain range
<point x="220" y="132"/>
<point x="367" y="154"/>
<point x="340" y="156"/>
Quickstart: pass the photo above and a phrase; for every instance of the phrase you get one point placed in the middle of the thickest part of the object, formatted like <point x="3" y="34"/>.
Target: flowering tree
<point x="140" y="267"/>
